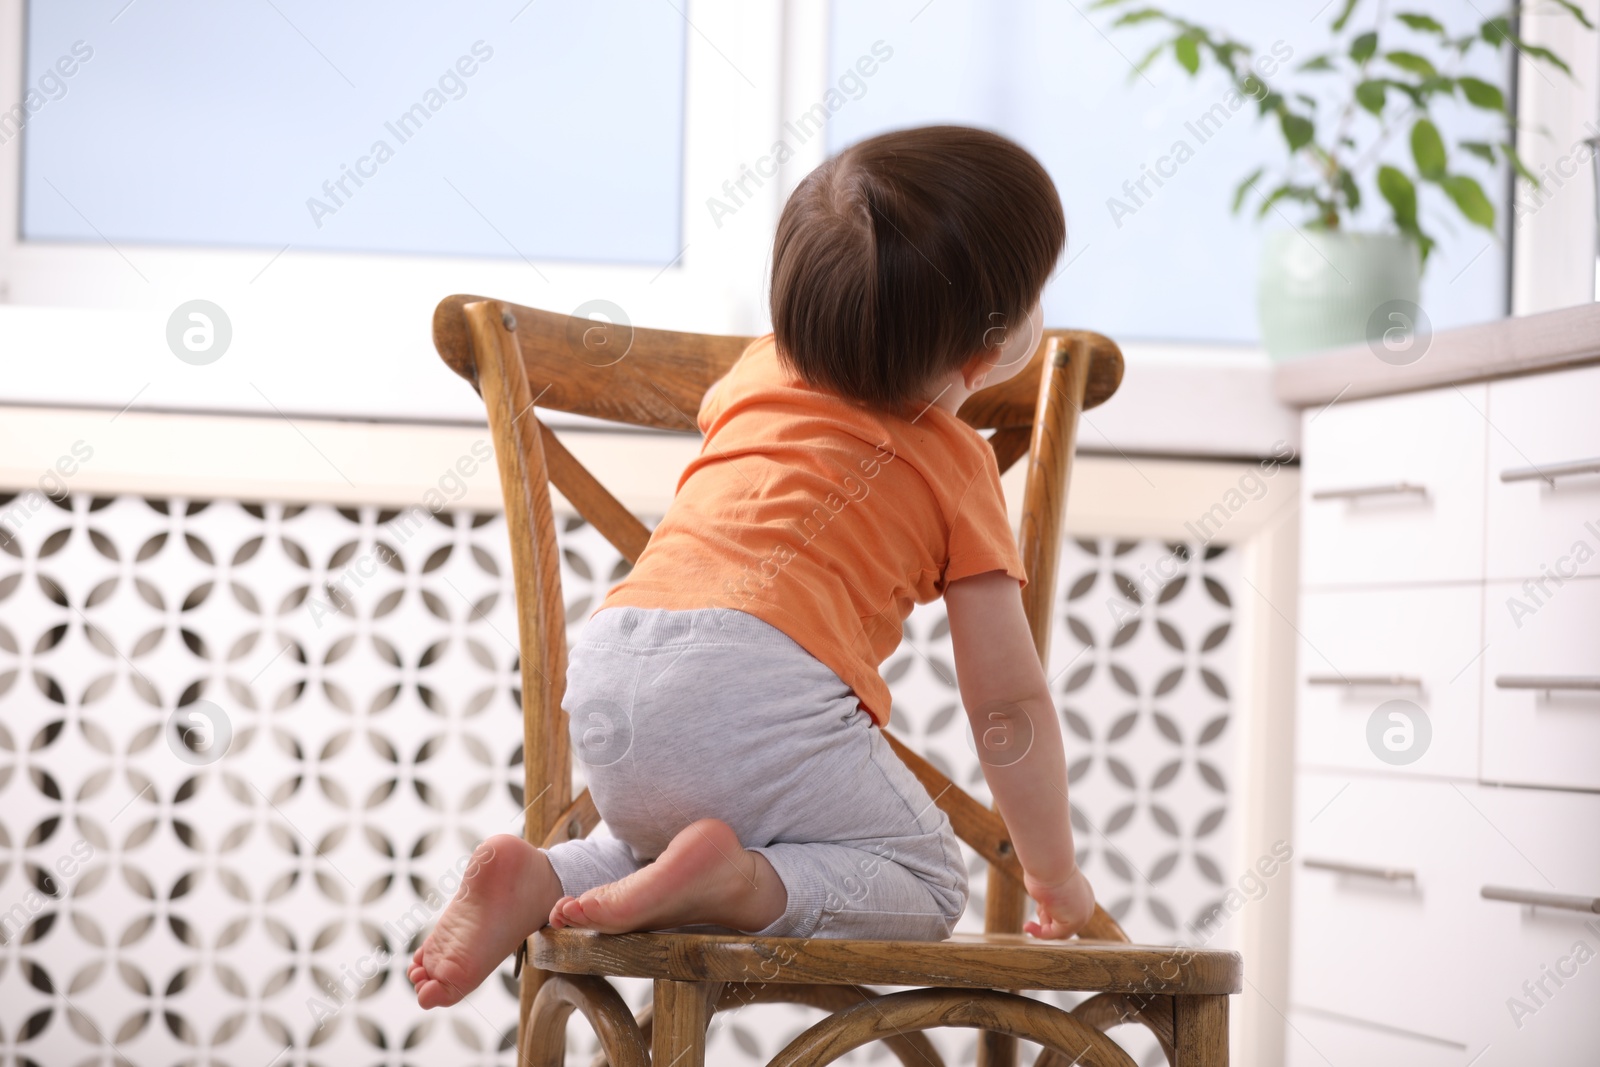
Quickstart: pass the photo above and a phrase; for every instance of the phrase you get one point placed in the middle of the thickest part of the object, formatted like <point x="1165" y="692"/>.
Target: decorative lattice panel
<point x="160" y="906"/>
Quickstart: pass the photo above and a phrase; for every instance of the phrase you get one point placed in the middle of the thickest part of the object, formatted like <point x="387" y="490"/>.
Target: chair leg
<point x="682" y="1013"/>
<point x="1200" y="1031"/>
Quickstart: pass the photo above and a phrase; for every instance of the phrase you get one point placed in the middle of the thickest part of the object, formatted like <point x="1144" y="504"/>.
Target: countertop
<point x="1504" y="348"/>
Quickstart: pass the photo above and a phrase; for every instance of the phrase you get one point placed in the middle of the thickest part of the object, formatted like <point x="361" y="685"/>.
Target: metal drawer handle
<point x="1541" y="900"/>
<point x="1392" y="489"/>
<point x="1387" y="874"/>
<point x="1370" y="681"/>
<point x="1550" y="473"/>
<point x="1547" y="681"/>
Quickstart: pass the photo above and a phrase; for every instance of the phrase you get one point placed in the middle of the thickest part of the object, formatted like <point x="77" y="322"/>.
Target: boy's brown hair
<point x="896" y="258"/>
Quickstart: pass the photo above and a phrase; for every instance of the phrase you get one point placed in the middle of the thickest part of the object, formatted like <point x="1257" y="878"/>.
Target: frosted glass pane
<point x="1180" y="267"/>
<point x="506" y="129"/>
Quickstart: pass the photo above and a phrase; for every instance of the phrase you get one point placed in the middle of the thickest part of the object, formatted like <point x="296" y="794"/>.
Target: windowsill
<point x="1176" y="400"/>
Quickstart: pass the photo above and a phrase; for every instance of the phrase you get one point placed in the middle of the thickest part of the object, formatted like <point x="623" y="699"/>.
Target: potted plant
<point x="1323" y="284"/>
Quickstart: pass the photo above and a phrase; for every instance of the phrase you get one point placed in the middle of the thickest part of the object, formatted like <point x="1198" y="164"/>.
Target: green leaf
<point x="1271" y="102"/>
<point x="1412" y="91"/>
<point x="1481" y="149"/>
<point x="1517" y="164"/>
<point x="1496" y="31"/>
<point x="1133" y="18"/>
<point x="1468" y="196"/>
<point x="1576" y="12"/>
<point x="1422" y="23"/>
<point x="1244" y="187"/>
<point x="1351" y="191"/>
<point x="1187" y="53"/>
<point x="1401" y="195"/>
<point x="1149" y="58"/>
<point x="1344" y="15"/>
<point x="1410" y="61"/>
<point x="1363" y="47"/>
<point x="1370" y="95"/>
<point x="1427" y="148"/>
<point x="1297" y="130"/>
<point x="1433" y="86"/>
<point x="1317" y="63"/>
<point x="1544" y="54"/>
<point x="1482" y="94"/>
<point x="1424" y="242"/>
<point x="1287" y="191"/>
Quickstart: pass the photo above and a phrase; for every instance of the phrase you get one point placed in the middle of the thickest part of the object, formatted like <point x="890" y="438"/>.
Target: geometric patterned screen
<point x="246" y="748"/>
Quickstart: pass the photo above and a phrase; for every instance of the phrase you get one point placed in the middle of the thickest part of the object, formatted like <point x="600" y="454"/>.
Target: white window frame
<point x="734" y="86"/>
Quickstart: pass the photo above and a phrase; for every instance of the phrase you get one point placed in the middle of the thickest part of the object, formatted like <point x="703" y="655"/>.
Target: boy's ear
<point x="976" y="369"/>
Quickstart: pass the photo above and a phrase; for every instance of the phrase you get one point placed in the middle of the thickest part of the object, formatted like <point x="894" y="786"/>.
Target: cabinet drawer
<point x="1546" y="841"/>
<point x="1364" y="648"/>
<point x="1549" y="424"/>
<point x="1393" y="489"/>
<point x="1383" y="888"/>
<point x="1317" y="1040"/>
<point x="1537" y="637"/>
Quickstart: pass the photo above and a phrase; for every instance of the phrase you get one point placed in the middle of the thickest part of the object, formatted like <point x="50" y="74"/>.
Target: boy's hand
<point x="1064" y="907"/>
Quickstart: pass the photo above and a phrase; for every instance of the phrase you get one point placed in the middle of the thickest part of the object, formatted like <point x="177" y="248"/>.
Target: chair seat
<point x="982" y="961"/>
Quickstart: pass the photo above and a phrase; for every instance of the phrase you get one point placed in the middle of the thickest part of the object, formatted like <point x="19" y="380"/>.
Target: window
<point x="1058" y="79"/>
<point x="406" y="127"/>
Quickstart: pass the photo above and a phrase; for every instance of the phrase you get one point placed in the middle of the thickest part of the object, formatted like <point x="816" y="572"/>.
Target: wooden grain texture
<point x="921" y="1009"/>
<point x="1106" y="1010"/>
<point x="657" y="378"/>
<point x="545" y="1044"/>
<point x="912" y="1050"/>
<point x="1530" y="344"/>
<point x="536" y="573"/>
<point x="970" y="961"/>
<point x="682" y="1012"/>
<point x="1060" y="389"/>
<point x="1200" y="1031"/>
<point x="575" y="823"/>
<point x="594" y="501"/>
<point x="1010" y="445"/>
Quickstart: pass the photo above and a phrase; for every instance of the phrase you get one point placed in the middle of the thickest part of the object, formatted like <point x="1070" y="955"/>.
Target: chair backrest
<point x="518" y="357"/>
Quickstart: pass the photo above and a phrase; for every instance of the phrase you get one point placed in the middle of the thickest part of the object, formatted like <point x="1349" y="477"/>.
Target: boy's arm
<point x="1019" y="743"/>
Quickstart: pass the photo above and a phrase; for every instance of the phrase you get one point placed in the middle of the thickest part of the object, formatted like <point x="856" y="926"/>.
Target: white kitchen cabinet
<point x="1543" y="484"/>
<point x="1320" y="1040"/>
<point x="1382" y="891"/>
<point x="1366" y="649"/>
<point x="1392" y="489"/>
<point x="1541" y="992"/>
<point x="1541" y="687"/>
<point x="1437" y="570"/>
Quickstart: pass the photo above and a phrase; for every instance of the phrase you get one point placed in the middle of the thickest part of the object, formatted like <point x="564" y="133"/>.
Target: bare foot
<point x="505" y="894"/>
<point x="704" y="876"/>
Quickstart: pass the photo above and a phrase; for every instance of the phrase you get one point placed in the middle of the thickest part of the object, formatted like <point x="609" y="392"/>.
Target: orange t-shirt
<point x="824" y="519"/>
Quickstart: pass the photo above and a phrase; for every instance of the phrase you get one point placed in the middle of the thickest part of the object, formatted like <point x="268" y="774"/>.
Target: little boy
<point x="725" y="698"/>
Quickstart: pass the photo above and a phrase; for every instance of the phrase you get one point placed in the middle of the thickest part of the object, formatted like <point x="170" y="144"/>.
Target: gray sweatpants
<point x="677" y="716"/>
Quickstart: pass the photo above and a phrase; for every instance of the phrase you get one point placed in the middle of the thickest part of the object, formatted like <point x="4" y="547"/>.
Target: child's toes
<point x="558" y="918"/>
<point x="572" y="912"/>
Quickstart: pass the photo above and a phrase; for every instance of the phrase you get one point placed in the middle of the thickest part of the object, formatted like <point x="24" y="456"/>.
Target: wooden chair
<point x="517" y="357"/>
